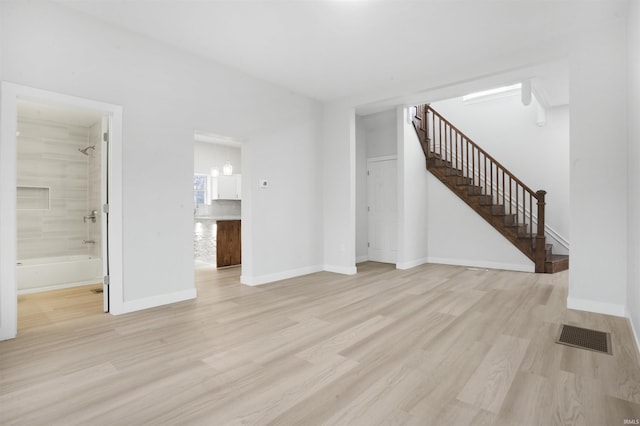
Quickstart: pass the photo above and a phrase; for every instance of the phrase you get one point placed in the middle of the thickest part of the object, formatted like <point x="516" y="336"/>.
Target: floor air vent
<point x="584" y="338"/>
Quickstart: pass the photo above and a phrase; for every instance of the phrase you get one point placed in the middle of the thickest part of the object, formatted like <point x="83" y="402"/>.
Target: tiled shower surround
<point x="94" y="193"/>
<point x="48" y="157"/>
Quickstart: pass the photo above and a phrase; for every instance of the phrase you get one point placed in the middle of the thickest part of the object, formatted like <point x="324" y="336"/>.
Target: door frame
<point x="377" y="160"/>
<point x="10" y="93"/>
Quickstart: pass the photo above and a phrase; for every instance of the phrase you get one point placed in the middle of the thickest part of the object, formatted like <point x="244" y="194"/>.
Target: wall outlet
<point x="264" y="184"/>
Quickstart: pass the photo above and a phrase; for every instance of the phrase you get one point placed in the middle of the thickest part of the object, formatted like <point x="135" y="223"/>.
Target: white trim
<point x="361" y="259"/>
<point x="483" y="264"/>
<point x="554" y="234"/>
<point x="10" y="93"/>
<point x="278" y="276"/>
<point x="411" y="263"/>
<point x="345" y="270"/>
<point x="155" y="301"/>
<point x="8" y="213"/>
<point x="597" y="307"/>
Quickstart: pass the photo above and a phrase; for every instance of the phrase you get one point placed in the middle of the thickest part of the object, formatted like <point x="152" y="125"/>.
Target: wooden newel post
<point x="425" y="121"/>
<point x="540" y="238"/>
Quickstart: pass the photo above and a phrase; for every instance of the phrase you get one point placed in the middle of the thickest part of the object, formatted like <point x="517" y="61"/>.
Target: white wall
<point x="362" y="222"/>
<point x="413" y="196"/>
<point x="598" y="277"/>
<point x="380" y="133"/>
<point x="457" y="235"/>
<point x="209" y="155"/>
<point x="165" y="95"/>
<point x="285" y="219"/>
<point x="538" y="155"/>
<point x="633" y="164"/>
<point x="338" y="148"/>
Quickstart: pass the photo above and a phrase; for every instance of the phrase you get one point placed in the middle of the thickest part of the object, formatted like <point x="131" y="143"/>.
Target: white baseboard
<point x="596" y="307"/>
<point x="345" y="270"/>
<point x="483" y="264"/>
<point x="6" y="334"/>
<point x="278" y="276"/>
<point x="154" y="301"/>
<point x="361" y="259"/>
<point x="412" y="263"/>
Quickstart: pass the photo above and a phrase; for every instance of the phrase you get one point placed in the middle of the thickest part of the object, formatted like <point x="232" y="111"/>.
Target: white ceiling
<point x="333" y="49"/>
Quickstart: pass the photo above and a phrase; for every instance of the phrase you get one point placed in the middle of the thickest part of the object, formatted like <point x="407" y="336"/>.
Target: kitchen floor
<point x="204" y="242"/>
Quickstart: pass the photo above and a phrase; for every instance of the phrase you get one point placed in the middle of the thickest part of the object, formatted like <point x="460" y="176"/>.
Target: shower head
<point x="85" y="151"/>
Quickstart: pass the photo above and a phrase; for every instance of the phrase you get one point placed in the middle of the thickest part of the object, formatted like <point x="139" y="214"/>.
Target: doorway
<point x="61" y="197"/>
<point x="61" y="187"/>
<point x="217" y="197"/>
<point x="382" y="210"/>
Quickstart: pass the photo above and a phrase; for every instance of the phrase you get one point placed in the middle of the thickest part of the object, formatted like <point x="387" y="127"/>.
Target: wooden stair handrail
<point x="485" y="153"/>
<point x="484" y="176"/>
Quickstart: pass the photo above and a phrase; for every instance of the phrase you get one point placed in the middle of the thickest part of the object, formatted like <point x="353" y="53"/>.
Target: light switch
<point x="264" y="184"/>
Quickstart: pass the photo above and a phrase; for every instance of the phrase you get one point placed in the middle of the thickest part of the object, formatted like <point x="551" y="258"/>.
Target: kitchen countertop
<point x="218" y="217"/>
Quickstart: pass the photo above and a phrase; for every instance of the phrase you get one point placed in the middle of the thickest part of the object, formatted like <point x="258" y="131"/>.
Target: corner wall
<point x="338" y="152"/>
<point x="362" y="220"/>
<point x="633" y="164"/>
<point x="413" y="196"/>
<point x="598" y="180"/>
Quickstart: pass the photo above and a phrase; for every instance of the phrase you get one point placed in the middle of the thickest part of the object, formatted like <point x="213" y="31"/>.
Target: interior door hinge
<point x="106" y="280"/>
<point x="105" y="136"/>
<point x="368" y="244"/>
<point x="368" y="208"/>
<point x="105" y="208"/>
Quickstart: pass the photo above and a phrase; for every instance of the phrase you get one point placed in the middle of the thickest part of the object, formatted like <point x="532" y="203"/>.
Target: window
<point x="200" y="184"/>
<point x="498" y="92"/>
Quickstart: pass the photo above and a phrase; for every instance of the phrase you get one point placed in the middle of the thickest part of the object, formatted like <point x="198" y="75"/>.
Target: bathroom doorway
<point x="61" y="199"/>
<point x="59" y="195"/>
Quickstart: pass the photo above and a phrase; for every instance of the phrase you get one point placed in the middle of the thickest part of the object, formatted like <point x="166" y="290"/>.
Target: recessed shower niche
<point x="33" y="198"/>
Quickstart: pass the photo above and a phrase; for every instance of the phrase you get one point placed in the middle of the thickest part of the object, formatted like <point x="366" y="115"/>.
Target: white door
<point x="105" y="211"/>
<point x="382" y="201"/>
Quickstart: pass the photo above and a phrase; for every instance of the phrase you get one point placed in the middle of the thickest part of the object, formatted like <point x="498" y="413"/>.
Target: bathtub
<point x="52" y="273"/>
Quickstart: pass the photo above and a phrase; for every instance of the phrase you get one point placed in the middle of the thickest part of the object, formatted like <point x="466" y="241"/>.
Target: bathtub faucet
<point x="88" y="242"/>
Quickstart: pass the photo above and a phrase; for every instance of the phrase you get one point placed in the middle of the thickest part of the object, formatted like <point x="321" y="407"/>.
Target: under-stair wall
<point x="519" y="136"/>
<point x="455" y="234"/>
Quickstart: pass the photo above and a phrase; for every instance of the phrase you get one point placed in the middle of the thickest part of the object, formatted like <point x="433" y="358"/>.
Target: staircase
<point x="503" y="200"/>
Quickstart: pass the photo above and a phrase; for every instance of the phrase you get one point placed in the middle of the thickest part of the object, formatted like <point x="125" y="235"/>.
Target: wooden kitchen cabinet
<point x="229" y="248"/>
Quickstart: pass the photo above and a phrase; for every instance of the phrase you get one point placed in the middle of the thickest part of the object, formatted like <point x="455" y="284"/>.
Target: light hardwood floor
<point x="433" y="345"/>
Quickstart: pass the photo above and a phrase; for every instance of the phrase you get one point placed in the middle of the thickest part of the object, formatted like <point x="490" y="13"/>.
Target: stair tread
<point x="558" y="258"/>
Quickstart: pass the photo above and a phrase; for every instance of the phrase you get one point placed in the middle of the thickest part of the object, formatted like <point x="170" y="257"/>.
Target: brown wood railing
<point x="464" y="158"/>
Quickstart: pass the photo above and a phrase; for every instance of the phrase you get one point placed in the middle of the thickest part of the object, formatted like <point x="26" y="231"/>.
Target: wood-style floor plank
<point x="433" y="345"/>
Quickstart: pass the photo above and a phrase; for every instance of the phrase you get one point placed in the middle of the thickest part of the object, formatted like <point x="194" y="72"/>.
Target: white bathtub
<point x="52" y="273"/>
